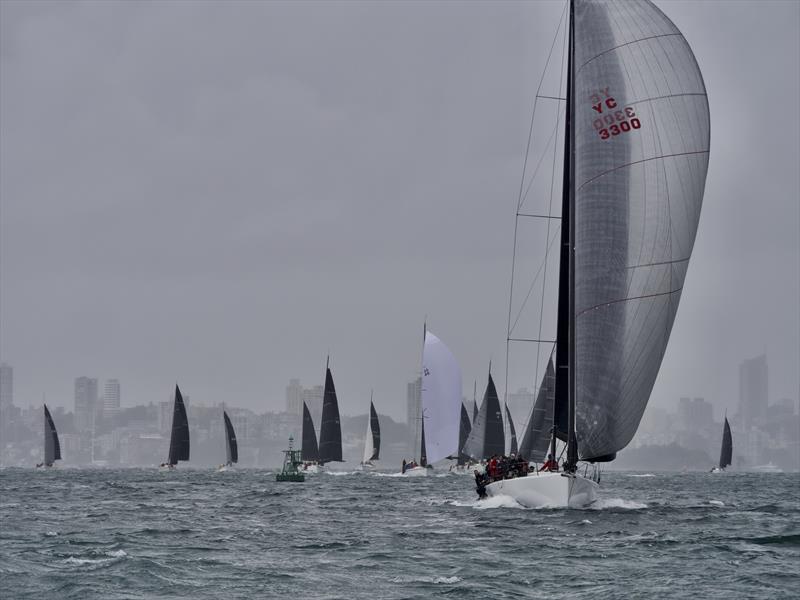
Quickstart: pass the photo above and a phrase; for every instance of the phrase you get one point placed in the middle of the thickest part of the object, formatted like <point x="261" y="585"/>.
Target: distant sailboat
<point x="539" y="430"/>
<point x="179" y="438"/>
<point x="464" y="429"/>
<point x="726" y="451"/>
<point x="487" y="437"/>
<point x="52" y="447"/>
<point x="372" y="440"/>
<point x="330" y="434"/>
<point x="309" y="451"/>
<point x="637" y="138"/>
<point x="231" y="446"/>
<point x="513" y="450"/>
<point x="440" y="402"/>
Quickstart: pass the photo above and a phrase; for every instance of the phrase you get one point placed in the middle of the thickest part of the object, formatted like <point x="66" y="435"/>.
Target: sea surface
<point x="141" y="533"/>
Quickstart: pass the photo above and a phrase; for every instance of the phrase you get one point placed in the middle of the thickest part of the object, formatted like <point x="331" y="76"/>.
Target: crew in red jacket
<point x="550" y="464"/>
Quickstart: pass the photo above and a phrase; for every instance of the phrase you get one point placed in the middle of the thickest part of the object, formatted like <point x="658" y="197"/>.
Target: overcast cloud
<point x="222" y="193"/>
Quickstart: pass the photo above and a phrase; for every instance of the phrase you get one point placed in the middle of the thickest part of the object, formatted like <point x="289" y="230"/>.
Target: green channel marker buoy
<point x="291" y="459"/>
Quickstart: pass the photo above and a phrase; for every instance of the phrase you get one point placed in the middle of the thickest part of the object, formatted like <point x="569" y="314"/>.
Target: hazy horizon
<point x="223" y="194"/>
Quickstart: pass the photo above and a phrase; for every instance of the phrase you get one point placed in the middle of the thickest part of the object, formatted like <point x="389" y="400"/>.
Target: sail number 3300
<point x="612" y="119"/>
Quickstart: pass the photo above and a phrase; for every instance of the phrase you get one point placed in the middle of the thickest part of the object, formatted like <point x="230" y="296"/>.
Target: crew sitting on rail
<point x="550" y="464"/>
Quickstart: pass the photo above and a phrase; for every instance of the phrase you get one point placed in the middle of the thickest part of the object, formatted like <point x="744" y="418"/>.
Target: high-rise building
<point x="313" y="397"/>
<point x="85" y="403"/>
<point x="753" y="391"/>
<point x="6" y="386"/>
<point x="294" y="397"/>
<point x="695" y="414"/>
<point x="111" y="398"/>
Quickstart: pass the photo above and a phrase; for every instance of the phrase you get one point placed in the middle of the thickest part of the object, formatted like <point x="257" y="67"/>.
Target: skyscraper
<point x="111" y="398"/>
<point x="294" y="397"/>
<point x="753" y="391"/>
<point x="85" y="403"/>
<point x="6" y="387"/>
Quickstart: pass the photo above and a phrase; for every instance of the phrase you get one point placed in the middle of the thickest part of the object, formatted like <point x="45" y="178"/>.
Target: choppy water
<point x="201" y="534"/>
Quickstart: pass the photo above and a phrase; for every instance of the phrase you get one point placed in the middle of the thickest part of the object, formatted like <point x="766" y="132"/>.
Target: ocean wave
<point x="639" y="475"/>
<point x="435" y="580"/>
<point x="606" y="503"/>
<point x="500" y="501"/>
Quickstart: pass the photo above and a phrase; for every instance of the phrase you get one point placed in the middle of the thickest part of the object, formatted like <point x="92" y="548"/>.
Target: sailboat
<point x="372" y="440"/>
<point x="231" y="446"/>
<point x="439" y="408"/>
<point x="487" y="438"/>
<point x="52" y="447"/>
<point x="726" y="451"/>
<point x="637" y="137"/>
<point x="330" y="433"/>
<point x="309" y="451"/>
<point x="464" y="428"/>
<point x="179" y="438"/>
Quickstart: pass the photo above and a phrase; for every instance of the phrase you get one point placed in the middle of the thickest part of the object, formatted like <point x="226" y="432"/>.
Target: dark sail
<point x="726" y="453"/>
<point x="52" y="448"/>
<point x="230" y="436"/>
<point x="423" y="455"/>
<point x="330" y="435"/>
<point x="540" y="424"/>
<point x="463" y="433"/>
<point x="513" y="432"/>
<point x="309" y="449"/>
<point x="487" y="437"/>
<point x="375" y="427"/>
<point x="474" y="411"/>
<point x="179" y="440"/>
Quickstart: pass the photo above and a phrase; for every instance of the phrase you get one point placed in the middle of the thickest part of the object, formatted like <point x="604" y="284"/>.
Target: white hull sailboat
<point x="636" y="147"/>
<point x="540" y="490"/>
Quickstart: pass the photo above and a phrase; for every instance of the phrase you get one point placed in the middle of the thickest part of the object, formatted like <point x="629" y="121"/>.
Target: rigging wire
<point x="520" y="196"/>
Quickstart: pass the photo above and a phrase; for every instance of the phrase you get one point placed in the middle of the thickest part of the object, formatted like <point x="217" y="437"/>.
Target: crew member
<point x="550" y="464"/>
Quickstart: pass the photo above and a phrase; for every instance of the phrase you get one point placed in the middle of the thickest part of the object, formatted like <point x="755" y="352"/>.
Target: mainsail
<point x="464" y="429"/>
<point x="309" y="450"/>
<point x="372" y="441"/>
<point x="487" y="437"/>
<point x="638" y="142"/>
<point x="441" y="400"/>
<point x="330" y="434"/>
<point x="52" y="447"/>
<point x="513" y="449"/>
<point x="726" y="452"/>
<point x="179" y="440"/>
<point x="540" y="424"/>
<point x="231" y="447"/>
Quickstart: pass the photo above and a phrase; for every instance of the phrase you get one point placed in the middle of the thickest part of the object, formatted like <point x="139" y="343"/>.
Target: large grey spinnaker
<point x="231" y="446"/>
<point x="179" y="438"/>
<point x="639" y="144"/>
<point x="52" y="447"/>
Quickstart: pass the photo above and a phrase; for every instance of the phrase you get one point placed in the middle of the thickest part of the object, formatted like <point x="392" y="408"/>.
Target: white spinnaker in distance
<point x="441" y="399"/>
<point x="640" y="156"/>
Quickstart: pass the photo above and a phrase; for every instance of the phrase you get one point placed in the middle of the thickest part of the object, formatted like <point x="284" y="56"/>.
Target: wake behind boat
<point x="637" y="136"/>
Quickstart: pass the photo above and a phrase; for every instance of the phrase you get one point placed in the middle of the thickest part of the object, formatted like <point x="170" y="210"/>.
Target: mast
<point x="418" y="392"/>
<point x="566" y="300"/>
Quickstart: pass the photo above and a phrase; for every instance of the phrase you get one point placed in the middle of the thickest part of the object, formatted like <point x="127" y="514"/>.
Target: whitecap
<point x="117" y="553"/>
<point x="500" y="501"/>
<point x="639" y="475"/>
<point x="604" y="503"/>
<point x="716" y="502"/>
<point x="51" y="534"/>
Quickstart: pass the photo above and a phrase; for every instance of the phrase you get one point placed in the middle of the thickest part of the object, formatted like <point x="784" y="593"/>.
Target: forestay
<point x="640" y="155"/>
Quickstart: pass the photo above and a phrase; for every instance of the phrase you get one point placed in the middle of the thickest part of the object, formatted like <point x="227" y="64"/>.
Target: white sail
<point x="369" y="447"/>
<point x="441" y="399"/>
<point x="640" y="155"/>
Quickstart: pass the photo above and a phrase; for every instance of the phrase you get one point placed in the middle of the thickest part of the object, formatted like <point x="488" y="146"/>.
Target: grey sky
<point x="221" y="193"/>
